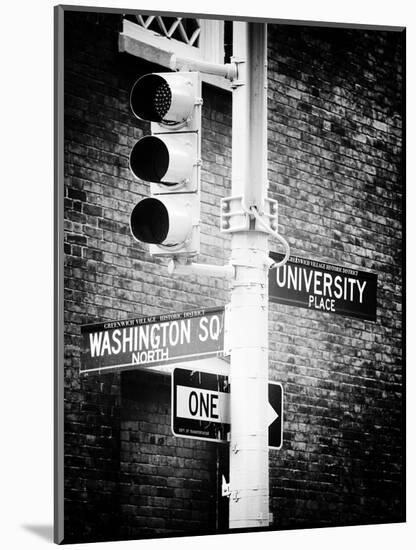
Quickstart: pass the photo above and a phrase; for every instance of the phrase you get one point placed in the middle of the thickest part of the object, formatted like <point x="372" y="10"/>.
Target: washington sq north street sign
<point x="151" y="341"/>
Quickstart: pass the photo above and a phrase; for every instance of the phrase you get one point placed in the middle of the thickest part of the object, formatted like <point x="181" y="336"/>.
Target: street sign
<point x="275" y="415"/>
<point x="325" y="287"/>
<point x="201" y="407"/>
<point x="150" y="341"/>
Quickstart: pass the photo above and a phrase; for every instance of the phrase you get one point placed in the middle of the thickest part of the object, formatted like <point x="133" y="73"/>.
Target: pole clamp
<point x="235" y="216"/>
<point x="236" y="82"/>
<point x="225" y="488"/>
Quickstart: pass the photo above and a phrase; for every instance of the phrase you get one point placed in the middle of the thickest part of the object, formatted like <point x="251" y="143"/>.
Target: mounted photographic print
<point x="229" y="268"/>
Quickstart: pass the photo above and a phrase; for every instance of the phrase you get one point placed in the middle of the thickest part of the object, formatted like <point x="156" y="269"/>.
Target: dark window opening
<point x="228" y="41"/>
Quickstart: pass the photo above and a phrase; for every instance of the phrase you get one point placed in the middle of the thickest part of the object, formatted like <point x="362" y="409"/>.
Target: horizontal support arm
<point x="207" y="270"/>
<point x="227" y="70"/>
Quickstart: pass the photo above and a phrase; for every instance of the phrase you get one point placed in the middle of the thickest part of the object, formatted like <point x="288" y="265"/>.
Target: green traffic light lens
<point x="149" y="221"/>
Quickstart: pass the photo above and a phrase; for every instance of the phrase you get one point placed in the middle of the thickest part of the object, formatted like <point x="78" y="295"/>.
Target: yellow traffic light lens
<point x="149" y="159"/>
<point x="149" y="221"/>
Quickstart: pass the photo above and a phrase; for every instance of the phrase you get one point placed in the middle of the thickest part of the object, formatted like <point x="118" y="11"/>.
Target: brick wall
<point x="334" y="166"/>
<point x="168" y="484"/>
<point x="126" y="475"/>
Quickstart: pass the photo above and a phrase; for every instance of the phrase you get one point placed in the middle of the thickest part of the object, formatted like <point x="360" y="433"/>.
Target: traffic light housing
<point x="169" y="159"/>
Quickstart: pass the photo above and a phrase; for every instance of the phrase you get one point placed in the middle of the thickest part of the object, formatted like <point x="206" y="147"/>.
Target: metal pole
<point x="249" y="467"/>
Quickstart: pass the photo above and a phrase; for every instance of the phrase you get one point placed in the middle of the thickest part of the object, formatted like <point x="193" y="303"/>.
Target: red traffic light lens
<point x="151" y="98"/>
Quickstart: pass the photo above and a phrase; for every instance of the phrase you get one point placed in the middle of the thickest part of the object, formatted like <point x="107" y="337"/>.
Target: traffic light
<point x="169" y="159"/>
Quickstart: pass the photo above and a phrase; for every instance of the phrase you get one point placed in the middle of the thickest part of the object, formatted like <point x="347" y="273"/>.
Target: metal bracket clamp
<point x="235" y="218"/>
<point x="267" y="516"/>
<point x="236" y="82"/>
<point x="225" y="488"/>
<point x="227" y="492"/>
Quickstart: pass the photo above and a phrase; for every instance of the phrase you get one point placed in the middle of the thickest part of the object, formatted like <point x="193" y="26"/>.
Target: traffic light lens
<point x="151" y="98"/>
<point x="162" y="100"/>
<point x="149" y="221"/>
<point x="149" y="159"/>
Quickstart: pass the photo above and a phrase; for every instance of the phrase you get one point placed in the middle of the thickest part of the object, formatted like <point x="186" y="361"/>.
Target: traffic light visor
<point x="149" y="221"/>
<point x="151" y="98"/>
<point x="164" y="98"/>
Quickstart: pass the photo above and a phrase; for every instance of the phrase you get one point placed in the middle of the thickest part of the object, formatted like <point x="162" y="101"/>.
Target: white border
<point x="27" y="275"/>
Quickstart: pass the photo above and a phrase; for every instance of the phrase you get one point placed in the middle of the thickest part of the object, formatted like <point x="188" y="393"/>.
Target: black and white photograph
<point x="229" y="268"/>
<point x="207" y="275"/>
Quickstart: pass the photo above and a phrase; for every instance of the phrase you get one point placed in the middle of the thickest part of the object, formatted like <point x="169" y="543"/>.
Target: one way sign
<point x="275" y="415"/>
<point x="201" y="407"/>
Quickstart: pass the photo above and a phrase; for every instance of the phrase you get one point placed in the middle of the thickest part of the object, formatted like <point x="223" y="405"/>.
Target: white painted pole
<point x="249" y="464"/>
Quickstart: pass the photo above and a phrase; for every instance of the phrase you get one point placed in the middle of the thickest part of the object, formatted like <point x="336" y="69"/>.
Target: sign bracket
<point x="225" y="488"/>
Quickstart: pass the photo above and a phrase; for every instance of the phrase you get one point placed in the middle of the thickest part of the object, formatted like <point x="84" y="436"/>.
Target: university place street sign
<point x="201" y="407"/>
<point x="152" y="341"/>
<point x="325" y="287"/>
